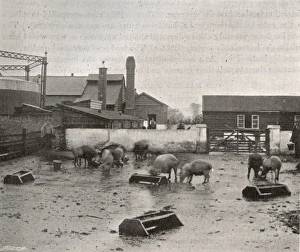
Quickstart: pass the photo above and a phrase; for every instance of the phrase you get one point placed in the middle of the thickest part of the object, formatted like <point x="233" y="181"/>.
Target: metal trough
<point x="149" y="223"/>
<point x="19" y="178"/>
<point x="148" y="179"/>
<point x="266" y="191"/>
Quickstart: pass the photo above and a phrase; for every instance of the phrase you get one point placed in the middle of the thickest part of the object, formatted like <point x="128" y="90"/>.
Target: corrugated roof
<point x="105" y="114"/>
<point x="236" y="103"/>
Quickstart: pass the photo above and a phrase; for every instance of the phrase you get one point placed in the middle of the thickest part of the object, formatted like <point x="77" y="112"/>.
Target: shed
<point x="83" y="117"/>
<point x="148" y="107"/>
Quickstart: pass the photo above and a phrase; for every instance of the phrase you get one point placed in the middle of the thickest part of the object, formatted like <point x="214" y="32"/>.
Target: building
<point x="68" y="89"/>
<point x="222" y="112"/>
<point x="84" y="117"/>
<point x="114" y="93"/>
<point x="147" y="107"/>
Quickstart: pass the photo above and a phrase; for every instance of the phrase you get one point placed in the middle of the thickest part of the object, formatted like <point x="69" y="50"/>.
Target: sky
<point x="182" y="49"/>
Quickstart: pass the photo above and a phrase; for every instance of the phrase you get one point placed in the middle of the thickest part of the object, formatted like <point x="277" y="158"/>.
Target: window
<point x="255" y="122"/>
<point x="248" y="121"/>
<point x="241" y="121"/>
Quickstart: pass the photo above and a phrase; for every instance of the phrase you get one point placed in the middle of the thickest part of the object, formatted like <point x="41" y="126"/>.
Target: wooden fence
<point x="16" y="145"/>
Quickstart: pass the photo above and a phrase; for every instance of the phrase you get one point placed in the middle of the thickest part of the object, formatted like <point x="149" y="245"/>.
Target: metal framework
<point x="33" y="61"/>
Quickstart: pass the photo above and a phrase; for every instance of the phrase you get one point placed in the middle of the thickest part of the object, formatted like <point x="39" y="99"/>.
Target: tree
<point x="174" y="116"/>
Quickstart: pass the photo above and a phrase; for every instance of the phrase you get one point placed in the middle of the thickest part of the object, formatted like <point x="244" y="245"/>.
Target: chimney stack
<point x="102" y="83"/>
<point x="130" y="90"/>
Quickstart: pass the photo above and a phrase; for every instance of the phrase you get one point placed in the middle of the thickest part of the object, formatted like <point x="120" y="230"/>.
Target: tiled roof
<point x="109" y="77"/>
<point x="65" y="85"/>
<point x="236" y="103"/>
<point x="112" y="92"/>
<point x="74" y="85"/>
<point x="105" y="114"/>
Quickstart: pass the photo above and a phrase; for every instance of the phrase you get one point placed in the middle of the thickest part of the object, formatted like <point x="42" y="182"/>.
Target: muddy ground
<point x="78" y="209"/>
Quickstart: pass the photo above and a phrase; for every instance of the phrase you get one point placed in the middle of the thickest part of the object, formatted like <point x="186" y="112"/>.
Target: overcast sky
<point x="183" y="49"/>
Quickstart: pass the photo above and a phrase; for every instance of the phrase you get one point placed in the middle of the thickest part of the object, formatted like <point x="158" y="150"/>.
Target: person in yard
<point x="152" y="124"/>
<point x="47" y="134"/>
<point x="295" y="138"/>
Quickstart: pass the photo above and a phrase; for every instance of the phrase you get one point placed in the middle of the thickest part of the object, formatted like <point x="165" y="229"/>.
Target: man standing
<point x="295" y="138"/>
<point x="152" y="124"/>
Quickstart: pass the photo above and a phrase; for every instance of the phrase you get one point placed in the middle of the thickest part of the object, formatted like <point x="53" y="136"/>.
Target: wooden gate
<point x="239" y="140"/>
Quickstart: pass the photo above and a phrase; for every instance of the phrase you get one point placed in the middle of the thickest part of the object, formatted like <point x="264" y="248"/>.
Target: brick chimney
<point x="102" y="84"/>
<point x="130" y="90"/>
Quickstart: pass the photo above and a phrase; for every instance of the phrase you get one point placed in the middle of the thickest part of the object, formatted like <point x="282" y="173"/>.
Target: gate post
<point x="203" y="138"/>
<point x="274" y="139"/>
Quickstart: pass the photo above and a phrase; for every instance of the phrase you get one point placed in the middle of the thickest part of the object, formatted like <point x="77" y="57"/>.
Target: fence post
<point x="63" y="143"/>
<point x="202" y="140"/>
<point x="24" y="149"/>
<point x="237" y="141"/>
<point x="207" y="140"/>
<point x="267" y="141"/>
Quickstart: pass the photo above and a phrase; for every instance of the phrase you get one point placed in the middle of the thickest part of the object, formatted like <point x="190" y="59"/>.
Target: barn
<point x="250" y="112"/>
<point x="242" y="123"/>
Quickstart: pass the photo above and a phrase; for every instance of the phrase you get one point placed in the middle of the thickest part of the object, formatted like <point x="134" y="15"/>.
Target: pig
<point x="272" y="163"/>
<point x="88" y="153"/>
<point x="119" y="156"/>
<point x="298" y="167"/>
<point x="255" y="162"/>
<point x="118" y="151"/>
<point x="110" y="145"/>
<point x="78" y="154"/>
<point x="139" y="149"/>
<point x="107" y="160"/>
<point x="197" y="167"/>
<point x="164" y="164"/>
<point x="153" y="150"/>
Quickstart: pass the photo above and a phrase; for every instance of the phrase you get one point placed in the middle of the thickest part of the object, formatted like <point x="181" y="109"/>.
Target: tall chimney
<point x="102" y="83"/>
<point x="130" y="90"/>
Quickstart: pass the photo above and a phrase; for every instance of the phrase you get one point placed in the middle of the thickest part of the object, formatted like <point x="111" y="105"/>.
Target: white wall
<point x="169" y="140"/>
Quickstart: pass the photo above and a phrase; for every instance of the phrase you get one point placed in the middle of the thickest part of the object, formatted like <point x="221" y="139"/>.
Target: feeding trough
<point x="19" y="178"/>
<point x="149" y="223"/>
<point x="265" y="191"/>
<point x="148" y="179"/>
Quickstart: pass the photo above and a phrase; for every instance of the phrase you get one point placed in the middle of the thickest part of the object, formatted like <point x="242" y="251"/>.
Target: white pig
<point x="164" y="164"/>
